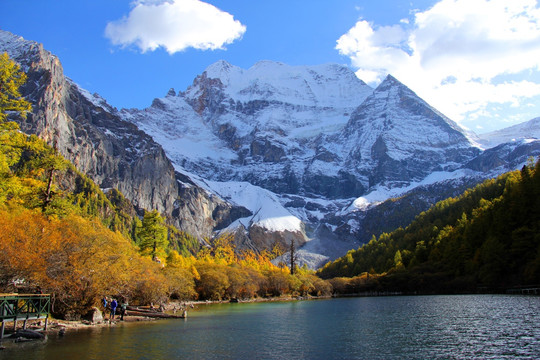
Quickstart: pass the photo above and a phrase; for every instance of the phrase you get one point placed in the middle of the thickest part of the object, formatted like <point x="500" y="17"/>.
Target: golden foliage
<point x="75" y="259"/>
<point x="80" y="260"/>
<point x="57" y="235"/>
<point x="11" y="79"/>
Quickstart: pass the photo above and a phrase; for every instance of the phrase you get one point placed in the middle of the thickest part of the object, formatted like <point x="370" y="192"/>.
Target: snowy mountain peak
<point x="396" y="91"/>
<point x="267" y="65"/>
<point x="523" y="131"/>
<point x="392" y="91"/>
<point x="388" y="82"/>
<point x="222" y="70"/>
<point x="218" y="67"/>
<point x="13" y="44"/>
<point x="320" y="85"/>
<point x="283" y="152"/>
<point x="20" y="49"/>
<point x="395" y="137"/>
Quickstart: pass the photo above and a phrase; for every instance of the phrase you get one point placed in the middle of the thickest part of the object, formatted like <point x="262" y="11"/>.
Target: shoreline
<point x="60" y="327"/>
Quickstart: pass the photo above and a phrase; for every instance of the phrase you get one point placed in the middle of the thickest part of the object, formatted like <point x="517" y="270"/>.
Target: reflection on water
<point x="422" y="327"/>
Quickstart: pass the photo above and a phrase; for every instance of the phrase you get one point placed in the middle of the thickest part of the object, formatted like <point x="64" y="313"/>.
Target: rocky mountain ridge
<point x="529" y="130"/>
<point x="113" y="152"/>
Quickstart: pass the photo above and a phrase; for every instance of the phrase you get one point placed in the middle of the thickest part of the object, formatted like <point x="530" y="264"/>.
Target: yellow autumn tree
<point x="11" y="79"/>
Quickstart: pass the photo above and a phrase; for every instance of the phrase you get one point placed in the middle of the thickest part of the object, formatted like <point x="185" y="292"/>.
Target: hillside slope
<point x="485" y="238"/>
<point x="112" y="152"/>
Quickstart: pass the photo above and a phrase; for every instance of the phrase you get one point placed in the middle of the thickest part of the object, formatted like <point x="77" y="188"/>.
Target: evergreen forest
<point x="486" y="240"/>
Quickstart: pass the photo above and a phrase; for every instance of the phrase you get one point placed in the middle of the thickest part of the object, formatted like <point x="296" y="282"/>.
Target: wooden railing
<point x="525" y="290"/>
<point x="16" y="307"/>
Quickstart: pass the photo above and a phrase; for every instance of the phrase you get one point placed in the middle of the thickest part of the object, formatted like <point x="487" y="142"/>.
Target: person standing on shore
<point x="114" y="304"/>
<point x="123" y="308"/>
<point x="104" y="304"/>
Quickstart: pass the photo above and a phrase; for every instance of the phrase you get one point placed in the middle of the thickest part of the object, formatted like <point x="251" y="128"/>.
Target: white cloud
<point x="175" y="25"/>
<point x="452" y="53"/>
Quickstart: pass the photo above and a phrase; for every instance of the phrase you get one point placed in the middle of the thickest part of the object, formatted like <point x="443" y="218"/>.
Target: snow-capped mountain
<point x="231" y="120"/>
<point x="309" y="150"/>
<point x="529" y="130"/>
<point x="394" y="138"/>
<point x="260" y="127"/>
<point x="274" y="153"/>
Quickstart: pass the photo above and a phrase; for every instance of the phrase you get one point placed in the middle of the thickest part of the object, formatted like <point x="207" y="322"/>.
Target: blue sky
<point x="477" y="61"/>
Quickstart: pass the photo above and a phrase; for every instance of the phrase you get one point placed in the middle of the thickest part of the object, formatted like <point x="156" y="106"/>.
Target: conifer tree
<point x="152" y="234"/>
<point x="293" y="257"/>
<point x="11" y="79"/>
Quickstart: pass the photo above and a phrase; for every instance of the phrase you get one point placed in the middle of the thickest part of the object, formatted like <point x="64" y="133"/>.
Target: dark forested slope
<point x="486" y="238"/>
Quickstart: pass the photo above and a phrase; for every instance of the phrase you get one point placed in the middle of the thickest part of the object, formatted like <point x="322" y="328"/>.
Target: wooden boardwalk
<point x="23" y="307"/>
<point x="525" y="290"/>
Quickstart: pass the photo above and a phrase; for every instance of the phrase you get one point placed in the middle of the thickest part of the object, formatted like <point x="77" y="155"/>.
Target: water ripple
<point x="420" y="327"/>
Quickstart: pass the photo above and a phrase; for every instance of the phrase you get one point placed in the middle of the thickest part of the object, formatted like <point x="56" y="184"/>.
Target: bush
<point x="213" y="282"/>
<point x="180" y="283"/>
<point x="278" y="282"/>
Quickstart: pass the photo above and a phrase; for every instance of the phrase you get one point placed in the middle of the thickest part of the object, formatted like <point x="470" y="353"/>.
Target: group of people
<point x="112" y="306"/>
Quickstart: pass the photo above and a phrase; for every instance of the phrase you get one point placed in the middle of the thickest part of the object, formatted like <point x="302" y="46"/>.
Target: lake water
<point x="407" y="327"/>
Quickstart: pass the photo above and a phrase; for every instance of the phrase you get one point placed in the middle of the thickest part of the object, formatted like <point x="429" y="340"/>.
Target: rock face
<point x="396" y="137"/>
<point x="111" y="151"/>
<point x="512" y="154"/>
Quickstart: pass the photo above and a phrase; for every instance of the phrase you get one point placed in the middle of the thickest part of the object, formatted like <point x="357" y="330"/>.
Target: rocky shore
<point x="96" y="318"/>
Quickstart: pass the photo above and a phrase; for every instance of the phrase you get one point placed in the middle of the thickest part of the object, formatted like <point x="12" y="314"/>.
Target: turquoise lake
<point x="401" y="327"/>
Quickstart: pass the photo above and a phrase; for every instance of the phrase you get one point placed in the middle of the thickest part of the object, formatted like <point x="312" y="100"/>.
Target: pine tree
<point x="11" y="79"/>
<point x="152" y="234"/>
<point x="293" y="257"/>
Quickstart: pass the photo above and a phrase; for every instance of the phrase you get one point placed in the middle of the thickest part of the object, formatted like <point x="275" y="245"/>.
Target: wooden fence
<point x="23" y="307"/>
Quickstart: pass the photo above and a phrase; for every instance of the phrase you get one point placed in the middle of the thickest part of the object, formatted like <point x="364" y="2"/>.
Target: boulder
<point x="94" y="316"/>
